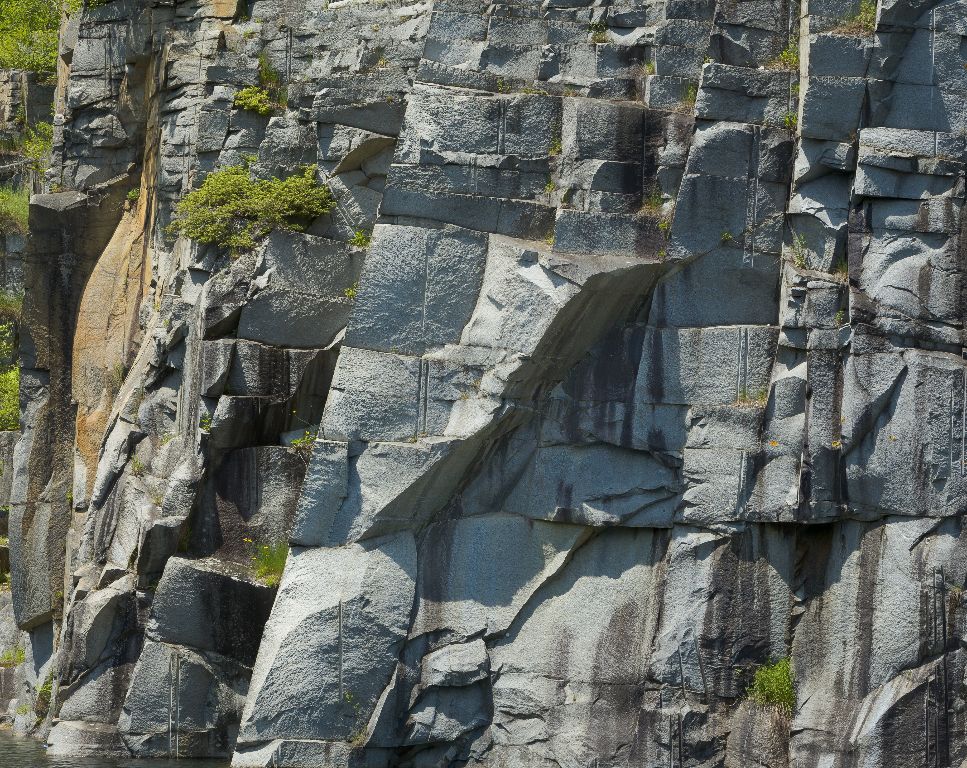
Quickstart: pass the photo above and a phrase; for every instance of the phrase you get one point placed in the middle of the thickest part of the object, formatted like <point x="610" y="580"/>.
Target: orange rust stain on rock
<point x="108" y="336"/>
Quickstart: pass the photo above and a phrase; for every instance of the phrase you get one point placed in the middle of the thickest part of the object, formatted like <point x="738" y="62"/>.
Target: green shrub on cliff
<point x="10" y="399"/>
<point x="773" y="686"/>
<point x="11" y="307"/>
<point x="232" y="210"/>
<point x="254" y="99"/>
<point x="863" y="23"/>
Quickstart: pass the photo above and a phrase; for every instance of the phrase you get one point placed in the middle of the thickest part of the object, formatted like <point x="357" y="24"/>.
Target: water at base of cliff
<point x="21" y="752"/>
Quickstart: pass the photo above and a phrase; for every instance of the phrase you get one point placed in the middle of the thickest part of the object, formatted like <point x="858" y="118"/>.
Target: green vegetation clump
<point x="271" y="82"/>
<point x="773" y="686"/>
<point x="234" y="211"/>
<point x="360" y="239"/>
<point x="13" y="657"/>
<point x="38" y="140"/>
<point x="28" y="34"/>
<point x="863" y="23"/>
<point x="10" y="399"/>
<point x="11" y="307"/>
<point x="788" y="59"/>
<point x="44" y="694"/>
<point x="269" y="562"/>
<point x="799" y="251"/>
<point x="599" y="31"/>
<point x="269" y="77"/>
<point x="254" y="99"/>
<point x="651" y="205"/>
<point x="689" y="97"/>
<point x="14" y="210"/>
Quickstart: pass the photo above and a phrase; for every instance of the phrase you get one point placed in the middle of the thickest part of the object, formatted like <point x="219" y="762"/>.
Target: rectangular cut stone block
<point x="418" y="288"/>
<point x="745" y="95"/>
<point x="374" y="396"/>
<point x="903" y="433"/>
<point x="705" y="366"/>
<point x="835" y="55"/>
<point x="831" y="107"/>
<point x="726" y="286"/>
<point x="323" y="491"/>
<point x="588" y="232"/>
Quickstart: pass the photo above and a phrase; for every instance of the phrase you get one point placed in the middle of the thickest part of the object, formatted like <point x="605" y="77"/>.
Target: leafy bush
<point x="10" y="399"/>
<point x="773" y="686"/>
<point x="269" y="77"/>
<point x="799" y="250"/>
<point x="44" y="693"/>
<point x="269" y="562"/>
<point x="14" y="210"/>
<point x="232" y="210"/>
<point x="28" y="34"/>
<point x="254" y="99"/>
<point x="689" y="98"/>
<point x="652" y="203"/>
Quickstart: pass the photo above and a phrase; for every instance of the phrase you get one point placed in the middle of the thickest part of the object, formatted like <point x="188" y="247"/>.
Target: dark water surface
<point x="19" y="752"/>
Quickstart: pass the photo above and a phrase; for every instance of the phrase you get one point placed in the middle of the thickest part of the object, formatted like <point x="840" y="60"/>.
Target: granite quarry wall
<point x="632" y="356"/>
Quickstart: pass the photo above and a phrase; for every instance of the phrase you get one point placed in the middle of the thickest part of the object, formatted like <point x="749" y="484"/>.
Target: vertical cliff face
<point x="629" y="359"/>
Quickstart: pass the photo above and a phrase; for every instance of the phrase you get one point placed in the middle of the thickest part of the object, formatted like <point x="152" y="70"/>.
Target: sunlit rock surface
<point x="631" y="357"/>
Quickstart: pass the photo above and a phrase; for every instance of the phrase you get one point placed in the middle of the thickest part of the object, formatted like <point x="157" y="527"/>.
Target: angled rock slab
<point x="208" y="605"/>
<point x="903" y="433"/>
<point x="331" y="643"/>
<point x="455" y="665"/>
<point x="476" y="573"/>
<point x="178" y="692"/>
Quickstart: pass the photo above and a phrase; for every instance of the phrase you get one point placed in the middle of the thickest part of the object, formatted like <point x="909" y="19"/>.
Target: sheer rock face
<point x="651" y="372"/>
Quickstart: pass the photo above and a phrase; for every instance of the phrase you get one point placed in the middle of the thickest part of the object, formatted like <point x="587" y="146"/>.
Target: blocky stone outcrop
<point x="630" y="358"/>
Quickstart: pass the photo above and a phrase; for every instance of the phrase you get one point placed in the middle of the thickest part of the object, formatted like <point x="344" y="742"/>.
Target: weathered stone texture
<point x="630" y="359"/>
